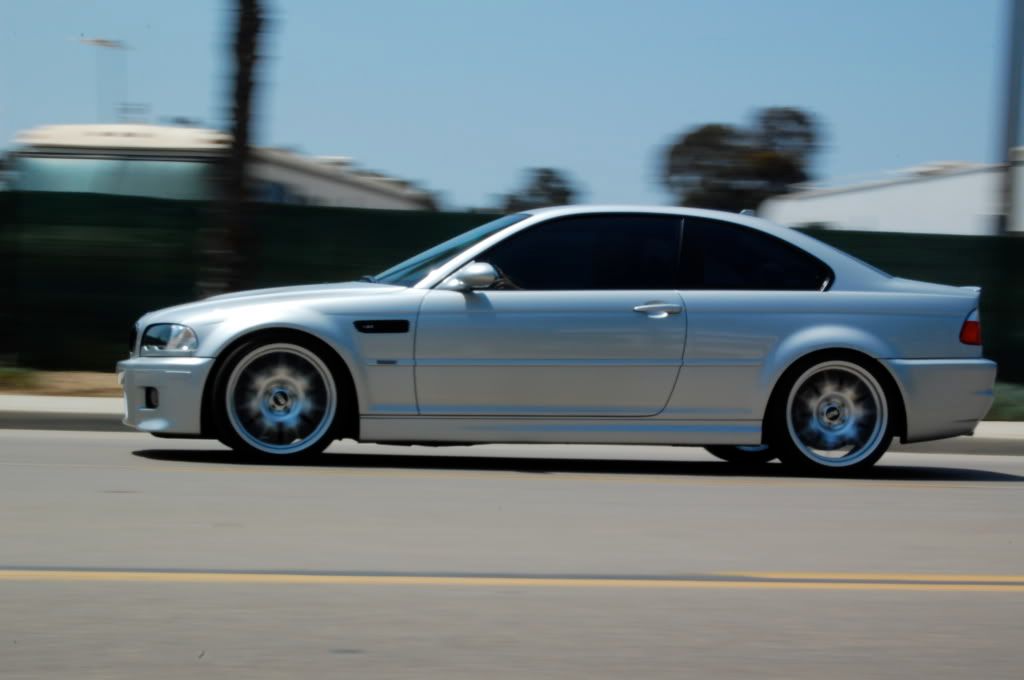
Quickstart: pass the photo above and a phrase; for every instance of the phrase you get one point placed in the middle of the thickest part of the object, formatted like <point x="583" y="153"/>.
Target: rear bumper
<point x="943" y="397"/>
<point x="179" y="383"/>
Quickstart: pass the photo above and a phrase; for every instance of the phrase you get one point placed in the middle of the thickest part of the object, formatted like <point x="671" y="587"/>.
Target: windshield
<point x="412" y="271"/>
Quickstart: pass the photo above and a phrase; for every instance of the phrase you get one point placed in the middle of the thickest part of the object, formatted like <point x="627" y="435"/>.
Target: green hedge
<point x="79" y="268"/>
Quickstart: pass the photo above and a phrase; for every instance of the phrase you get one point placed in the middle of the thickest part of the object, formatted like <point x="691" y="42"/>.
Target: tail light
<point x="970" y="332"/>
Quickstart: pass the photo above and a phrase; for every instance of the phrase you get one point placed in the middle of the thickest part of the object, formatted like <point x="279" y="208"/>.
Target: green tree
<point x="787" y="131"/>
<point x="543" y="187"/>
<point x="731" y="168"/>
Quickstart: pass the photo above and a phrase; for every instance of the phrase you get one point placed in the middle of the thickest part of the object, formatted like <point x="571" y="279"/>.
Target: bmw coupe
<point x="579" y="325"/>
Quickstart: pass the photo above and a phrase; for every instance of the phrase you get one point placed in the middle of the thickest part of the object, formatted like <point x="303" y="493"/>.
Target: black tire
<point x="281" y="396"/>
<point x="743" y="455"/>
<point x="823" y="405"/>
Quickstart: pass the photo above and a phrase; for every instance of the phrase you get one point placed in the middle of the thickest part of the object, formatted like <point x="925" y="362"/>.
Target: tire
<point x="831" y="415"/>
<point x="278" y="396"/>
<point x="743" y="455"/>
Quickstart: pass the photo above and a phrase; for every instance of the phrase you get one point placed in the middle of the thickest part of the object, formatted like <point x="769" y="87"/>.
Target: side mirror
<point x="473" y="276"/>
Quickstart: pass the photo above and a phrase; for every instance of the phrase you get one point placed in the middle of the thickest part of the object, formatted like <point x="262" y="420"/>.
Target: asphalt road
<point x="126" y="556"/>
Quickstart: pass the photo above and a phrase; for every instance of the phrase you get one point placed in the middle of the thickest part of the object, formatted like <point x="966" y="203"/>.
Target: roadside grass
<point x="13" y="379"/>
<point x="1009" y="402"/>
<point x="58" y="383"/>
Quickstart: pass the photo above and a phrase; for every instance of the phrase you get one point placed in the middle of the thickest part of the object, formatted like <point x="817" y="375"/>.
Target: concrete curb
<point x="32" y="412"/>
<point x="85" y="422"/>
<point x="103" y="414"/>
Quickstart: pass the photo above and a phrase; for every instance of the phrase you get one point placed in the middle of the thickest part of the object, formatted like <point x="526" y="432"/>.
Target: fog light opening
<point x="152" y="397"/>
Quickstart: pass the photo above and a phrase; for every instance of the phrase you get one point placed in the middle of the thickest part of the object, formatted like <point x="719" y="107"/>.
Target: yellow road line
<point x="879" y="582"/>
<point x="876" y="576"/>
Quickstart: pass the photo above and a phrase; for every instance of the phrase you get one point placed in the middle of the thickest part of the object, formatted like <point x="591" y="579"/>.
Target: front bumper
<point x="943" y="397"/>
<point x="179" y="382"/>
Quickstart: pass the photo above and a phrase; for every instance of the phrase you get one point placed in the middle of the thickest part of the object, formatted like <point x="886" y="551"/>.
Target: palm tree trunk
<point x="229" y="241"/>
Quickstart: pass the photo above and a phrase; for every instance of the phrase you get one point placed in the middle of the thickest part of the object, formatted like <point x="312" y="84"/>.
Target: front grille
<point x="133" y="337"/>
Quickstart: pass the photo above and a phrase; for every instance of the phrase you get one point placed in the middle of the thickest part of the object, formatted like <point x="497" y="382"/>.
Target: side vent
<point x="382" y="326"/>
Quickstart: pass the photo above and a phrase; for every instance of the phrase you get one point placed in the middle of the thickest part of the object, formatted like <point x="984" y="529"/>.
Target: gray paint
<point x="583" y="366"/>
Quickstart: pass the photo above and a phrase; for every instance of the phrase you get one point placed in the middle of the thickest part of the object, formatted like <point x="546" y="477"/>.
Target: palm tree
<point x="227" y="243"/>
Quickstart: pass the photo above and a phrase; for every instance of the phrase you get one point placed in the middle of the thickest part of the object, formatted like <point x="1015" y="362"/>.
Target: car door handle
<point x="658" y="310"/>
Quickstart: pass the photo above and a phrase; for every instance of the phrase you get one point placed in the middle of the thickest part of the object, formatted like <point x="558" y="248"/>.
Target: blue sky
<point x="462" y="95"/>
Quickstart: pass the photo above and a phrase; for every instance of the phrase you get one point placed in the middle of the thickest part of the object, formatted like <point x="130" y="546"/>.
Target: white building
<point x="938" y="198"/>
<point x="179" y="163"/>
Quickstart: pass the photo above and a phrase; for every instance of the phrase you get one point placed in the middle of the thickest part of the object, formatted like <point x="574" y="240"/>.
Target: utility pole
<point x="101" y="44"/>
<point x="1012" y="111"/>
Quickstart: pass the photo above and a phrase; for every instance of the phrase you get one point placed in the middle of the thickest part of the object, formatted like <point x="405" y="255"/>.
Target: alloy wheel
<point x="837" y="414"/>
<point x="281" y="398"/>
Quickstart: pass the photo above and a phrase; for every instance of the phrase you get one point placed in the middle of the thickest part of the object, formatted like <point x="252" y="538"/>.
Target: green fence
<point x="79" y="268"/>
<point x="996" y="263"/>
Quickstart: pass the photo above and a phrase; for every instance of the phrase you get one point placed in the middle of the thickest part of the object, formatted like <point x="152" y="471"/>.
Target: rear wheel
<point x="743" y="455"/>
<point x="277" y="398"/>
<point x="832" y="415"/>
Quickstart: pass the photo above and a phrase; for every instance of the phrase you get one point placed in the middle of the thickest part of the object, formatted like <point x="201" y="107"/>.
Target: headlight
<point x="168" y="338"/>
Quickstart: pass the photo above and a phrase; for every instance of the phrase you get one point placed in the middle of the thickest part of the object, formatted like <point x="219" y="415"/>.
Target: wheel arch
<point x="894" y="392"/>
<point x="340" y="369"/>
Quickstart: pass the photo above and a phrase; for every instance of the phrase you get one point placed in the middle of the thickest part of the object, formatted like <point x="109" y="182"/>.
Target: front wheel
<point x="832" y="416"/>
<point x="276" y="398"/>
<point x="743" y="455"/>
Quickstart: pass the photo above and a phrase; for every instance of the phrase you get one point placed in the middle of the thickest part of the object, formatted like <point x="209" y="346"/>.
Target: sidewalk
<point x="103" y="414"/>
<point x="31" y="412"/>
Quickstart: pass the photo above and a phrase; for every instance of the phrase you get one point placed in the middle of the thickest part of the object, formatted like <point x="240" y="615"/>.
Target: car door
<point x="584" y="321"/>
<point x="745" y="292"/>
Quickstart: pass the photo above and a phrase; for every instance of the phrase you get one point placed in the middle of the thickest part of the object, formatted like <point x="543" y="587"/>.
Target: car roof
<point x="737" y="218"/>
<point x="848" y="270"/>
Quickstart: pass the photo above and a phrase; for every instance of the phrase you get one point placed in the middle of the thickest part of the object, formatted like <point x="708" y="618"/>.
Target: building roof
<point x="135" y="138"/>
<point x="918" y="173"/>
<point x="332" y="168"/>
<point x="124" y="136"/>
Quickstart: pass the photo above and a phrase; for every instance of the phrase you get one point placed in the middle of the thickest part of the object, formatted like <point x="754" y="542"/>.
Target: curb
<point x="86" y="422"/>
<point x="33" y="412"/>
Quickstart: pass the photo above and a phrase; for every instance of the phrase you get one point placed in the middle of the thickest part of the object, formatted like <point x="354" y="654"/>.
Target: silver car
<point x="583" y="325"/>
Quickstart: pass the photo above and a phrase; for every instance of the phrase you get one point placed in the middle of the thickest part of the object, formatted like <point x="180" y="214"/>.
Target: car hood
<point x="214" y="308"/>
<point x="308" y="290"/>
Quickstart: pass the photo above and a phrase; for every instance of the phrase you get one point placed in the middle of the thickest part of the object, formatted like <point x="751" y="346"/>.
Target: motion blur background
<point x="155" y="152"/>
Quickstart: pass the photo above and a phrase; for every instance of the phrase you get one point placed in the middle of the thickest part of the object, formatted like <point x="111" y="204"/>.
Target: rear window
<point x="848" y="255"/>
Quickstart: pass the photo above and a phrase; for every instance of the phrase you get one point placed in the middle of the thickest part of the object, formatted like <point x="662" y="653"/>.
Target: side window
<point x="591" y="252"/>
<point x="723" y="256"/>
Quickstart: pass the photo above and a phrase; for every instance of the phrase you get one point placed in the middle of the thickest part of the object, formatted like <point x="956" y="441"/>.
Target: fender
<point x="330" y="329"/>
<point x="814" y="339"/>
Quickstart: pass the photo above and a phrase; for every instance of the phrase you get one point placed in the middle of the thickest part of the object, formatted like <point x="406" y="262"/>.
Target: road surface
<point x="126" y="556"/>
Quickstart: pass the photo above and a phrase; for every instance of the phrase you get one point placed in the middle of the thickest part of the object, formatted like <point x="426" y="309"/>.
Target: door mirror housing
<point x="473" y="276"/>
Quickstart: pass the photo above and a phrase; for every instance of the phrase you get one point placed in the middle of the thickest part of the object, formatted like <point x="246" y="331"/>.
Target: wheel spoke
<point x="837" y="414"/>
<point x="281" y="398"/>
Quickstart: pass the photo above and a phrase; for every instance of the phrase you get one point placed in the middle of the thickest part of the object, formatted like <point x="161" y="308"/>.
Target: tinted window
<point x="593" y="252"/>
<point x="723" y="256"/>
